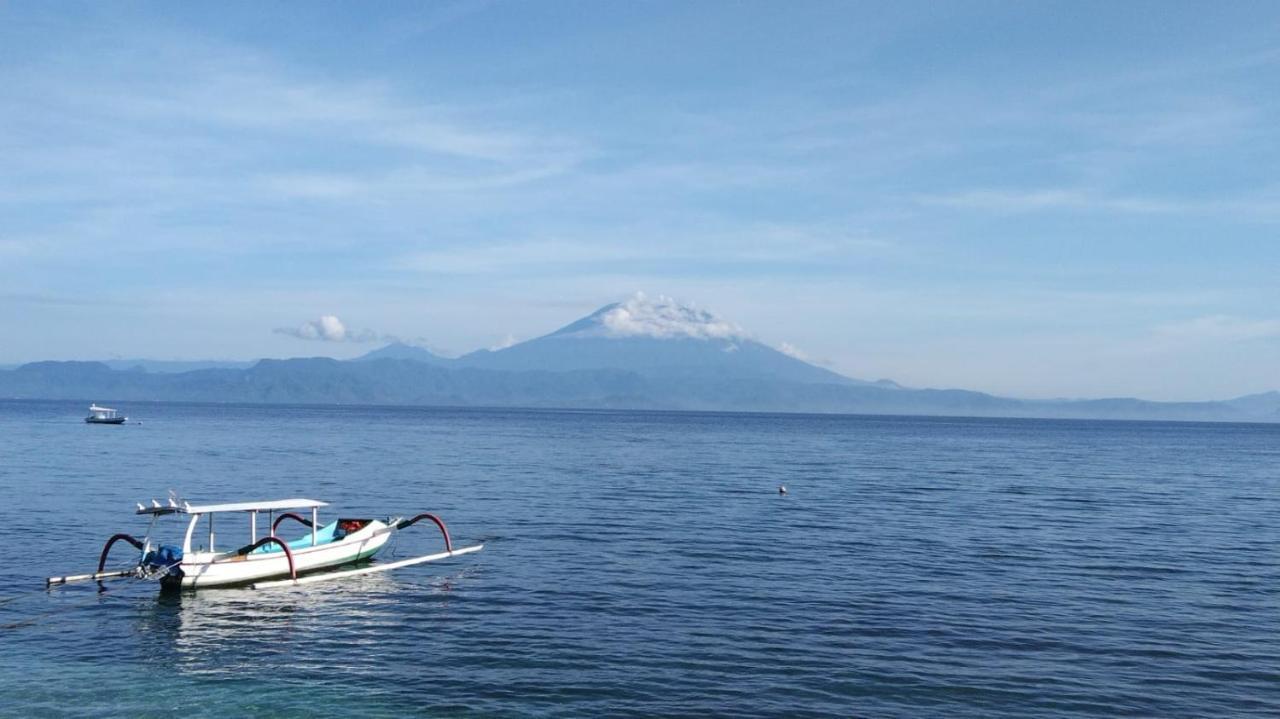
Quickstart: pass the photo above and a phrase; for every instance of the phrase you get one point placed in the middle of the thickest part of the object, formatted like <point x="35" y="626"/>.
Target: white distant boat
<point x="104" y="415"/>
<point x="342" y="541"/>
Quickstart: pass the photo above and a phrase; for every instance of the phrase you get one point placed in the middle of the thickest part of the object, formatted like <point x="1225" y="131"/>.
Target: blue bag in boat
<point x="163" y="557"/>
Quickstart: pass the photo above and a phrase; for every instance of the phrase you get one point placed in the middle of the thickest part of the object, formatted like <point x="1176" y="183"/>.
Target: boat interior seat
<point x="324" y="535"/>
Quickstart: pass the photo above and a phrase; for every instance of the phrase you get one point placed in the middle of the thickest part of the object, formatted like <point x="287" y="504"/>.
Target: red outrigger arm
<point x="448" y="546"/>
<point x="102" y="560"/>
<point x="293" y="572"/>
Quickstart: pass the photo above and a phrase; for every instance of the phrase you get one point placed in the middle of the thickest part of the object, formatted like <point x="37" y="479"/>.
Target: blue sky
<point x="1037" y="199"/>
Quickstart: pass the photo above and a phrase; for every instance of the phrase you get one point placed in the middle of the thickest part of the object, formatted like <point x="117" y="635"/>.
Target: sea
<point x="645" y="564"/>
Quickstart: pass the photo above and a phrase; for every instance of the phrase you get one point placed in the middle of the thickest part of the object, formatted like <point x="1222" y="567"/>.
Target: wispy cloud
<point x="1263" y="205"/>
<point x="791" y="350"/>
<point x="701" y="245"/>
<point x="1020" y="200"/>
<point x="1220" y="328"/>
<point x="508" y="341"/>
<point x="166" y="143"/>
<point x="402" y="184"/>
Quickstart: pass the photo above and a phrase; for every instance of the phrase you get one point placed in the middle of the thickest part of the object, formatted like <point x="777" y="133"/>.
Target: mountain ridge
<point x="635" y="354"/>
<point x="322" y="380"/>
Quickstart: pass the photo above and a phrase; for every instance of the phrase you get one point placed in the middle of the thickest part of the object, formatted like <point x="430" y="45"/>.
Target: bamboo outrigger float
<point x="264" y="562"/>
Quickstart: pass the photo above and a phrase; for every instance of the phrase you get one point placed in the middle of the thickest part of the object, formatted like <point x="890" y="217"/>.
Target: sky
<point x="1032" y="199"/>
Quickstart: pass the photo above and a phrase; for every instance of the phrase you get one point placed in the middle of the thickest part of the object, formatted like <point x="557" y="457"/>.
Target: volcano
<point x="657" y="338"/>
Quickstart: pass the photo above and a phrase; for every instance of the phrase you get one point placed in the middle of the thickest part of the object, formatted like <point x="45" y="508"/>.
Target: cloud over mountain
<point x="792" y="351"/>
<point x="660" y="318"/>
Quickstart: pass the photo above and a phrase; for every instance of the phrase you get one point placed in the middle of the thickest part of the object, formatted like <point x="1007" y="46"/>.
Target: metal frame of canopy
<point x="157" y="510"/>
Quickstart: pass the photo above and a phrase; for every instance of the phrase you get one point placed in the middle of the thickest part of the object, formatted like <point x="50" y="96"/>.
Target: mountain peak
<point x="402" y="351"/>
<point x="659" y="317"/>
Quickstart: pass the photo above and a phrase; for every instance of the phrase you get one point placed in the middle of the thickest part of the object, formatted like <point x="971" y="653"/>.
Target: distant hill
<point x="166" y="366"/>
<point x="402" y="351"/>
<point x="144" y="365"/>
<point x="642" y="354"/>
<point x="1258" y="404"/>
<point x="321" y="380"/>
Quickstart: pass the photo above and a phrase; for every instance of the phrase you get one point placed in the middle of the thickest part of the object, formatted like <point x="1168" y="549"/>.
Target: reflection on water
<point x="337" y="625"/>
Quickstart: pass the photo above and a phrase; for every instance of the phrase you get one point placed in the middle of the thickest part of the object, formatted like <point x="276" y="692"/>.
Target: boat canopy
<point x="265" y="506"/>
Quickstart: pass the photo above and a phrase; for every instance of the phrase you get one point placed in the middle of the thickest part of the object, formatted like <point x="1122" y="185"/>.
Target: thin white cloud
<point x="1220" y="328"/>
<point x="481" y="259"/>
<point x="1017" y="201"/>
<point x="774" y="245"/>
<point x="1261" y="206"/>
<point x="163" y="135"/>
<point x="792" y="351"/>
<point x="402" y="184"/>
<point x="508" y="341"/>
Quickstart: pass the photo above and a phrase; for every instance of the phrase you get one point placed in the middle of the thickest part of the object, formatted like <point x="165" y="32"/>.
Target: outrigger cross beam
<point x="264" y="562"/>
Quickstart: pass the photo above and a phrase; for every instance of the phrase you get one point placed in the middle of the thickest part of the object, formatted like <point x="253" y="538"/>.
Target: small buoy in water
<point x="782" y="489"/>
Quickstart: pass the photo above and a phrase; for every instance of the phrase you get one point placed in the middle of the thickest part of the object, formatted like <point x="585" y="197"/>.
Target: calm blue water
<point x="643" y="564"/>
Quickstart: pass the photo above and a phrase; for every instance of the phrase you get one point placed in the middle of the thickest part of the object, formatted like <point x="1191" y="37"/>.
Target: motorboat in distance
<point x="104" y="415"/>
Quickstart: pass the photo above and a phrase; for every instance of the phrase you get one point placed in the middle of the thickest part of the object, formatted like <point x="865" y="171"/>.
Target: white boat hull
<point x="209" y="569"/>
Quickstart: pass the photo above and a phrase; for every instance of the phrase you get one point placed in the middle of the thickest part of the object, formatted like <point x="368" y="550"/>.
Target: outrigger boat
<point x="269" y="561"/>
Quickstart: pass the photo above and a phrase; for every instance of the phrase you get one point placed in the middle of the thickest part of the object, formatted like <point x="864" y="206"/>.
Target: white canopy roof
<point x="269" y="505"/>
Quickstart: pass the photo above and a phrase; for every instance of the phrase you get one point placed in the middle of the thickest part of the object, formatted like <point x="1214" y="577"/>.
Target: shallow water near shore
<point x="644" y="564"/>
